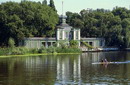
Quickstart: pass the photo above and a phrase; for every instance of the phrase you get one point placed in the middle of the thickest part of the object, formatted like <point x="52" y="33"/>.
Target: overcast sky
<point x="78" y="5"/>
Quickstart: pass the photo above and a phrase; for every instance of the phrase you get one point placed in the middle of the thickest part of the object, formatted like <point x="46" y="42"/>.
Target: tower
<point x="65" y="33"/>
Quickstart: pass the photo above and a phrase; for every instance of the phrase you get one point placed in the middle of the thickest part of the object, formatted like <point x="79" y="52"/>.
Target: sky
<point x="78" y="5"/>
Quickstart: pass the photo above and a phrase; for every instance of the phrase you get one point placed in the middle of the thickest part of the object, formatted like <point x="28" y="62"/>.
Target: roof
<point x="64" y="25"/>
<point x="41" y="38"/>
<point x="85" y="39"/>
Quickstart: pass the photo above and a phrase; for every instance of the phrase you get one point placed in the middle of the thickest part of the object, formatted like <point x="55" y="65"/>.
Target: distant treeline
<point x="36" y="19"/>
<point x="113" y="25"/>
<point x="27" y="19"/>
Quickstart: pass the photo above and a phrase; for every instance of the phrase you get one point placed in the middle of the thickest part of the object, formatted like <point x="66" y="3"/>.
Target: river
<point x="66" y="69"/>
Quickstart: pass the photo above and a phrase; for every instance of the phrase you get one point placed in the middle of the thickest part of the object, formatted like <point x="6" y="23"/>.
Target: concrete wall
<point x="38" y="43"/>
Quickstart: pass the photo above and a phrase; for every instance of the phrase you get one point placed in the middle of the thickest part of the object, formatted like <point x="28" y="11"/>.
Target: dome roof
<point x="63" y="24"/>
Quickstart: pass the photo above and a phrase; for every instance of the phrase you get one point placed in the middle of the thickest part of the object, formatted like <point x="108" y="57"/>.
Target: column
<point x="63" y="35"/>
<point x="94" y="43"/>
<point x="46" y="44"/>
<point x="79" y="34"/>
<point x="74" y="34"/>
<point x="79" y="43"/>
<point x="57" y="35"/>
<point x="58" y="44"/>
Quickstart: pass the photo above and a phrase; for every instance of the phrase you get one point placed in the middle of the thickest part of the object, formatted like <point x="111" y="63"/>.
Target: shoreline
<point x="38" y="54"/>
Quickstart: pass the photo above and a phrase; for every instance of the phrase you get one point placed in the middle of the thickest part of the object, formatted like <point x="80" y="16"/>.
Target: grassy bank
<point x="22" y="51"/>
<point x="3" y="56"/>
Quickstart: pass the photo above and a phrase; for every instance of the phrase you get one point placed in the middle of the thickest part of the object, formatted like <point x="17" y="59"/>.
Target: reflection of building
<point x="69" y="69"/>
<point x="64" y="33"/>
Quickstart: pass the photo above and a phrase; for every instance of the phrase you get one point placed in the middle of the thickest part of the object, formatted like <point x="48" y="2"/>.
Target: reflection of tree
<point x="30" y="70"/>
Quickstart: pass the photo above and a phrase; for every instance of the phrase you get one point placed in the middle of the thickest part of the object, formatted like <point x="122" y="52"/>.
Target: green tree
<point x="111" y="25"/>
<point x="26" y="19"/>
<point x="122" y="12"/>
<point x="52" y="5"/>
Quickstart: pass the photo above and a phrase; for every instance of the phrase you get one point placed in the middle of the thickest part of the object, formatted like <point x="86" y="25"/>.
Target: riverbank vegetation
<point x="63" y="48"/>
<point x="49" y="50"/>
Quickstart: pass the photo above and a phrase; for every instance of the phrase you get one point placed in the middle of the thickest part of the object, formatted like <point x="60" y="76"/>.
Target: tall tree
<point x="52" y="5"/>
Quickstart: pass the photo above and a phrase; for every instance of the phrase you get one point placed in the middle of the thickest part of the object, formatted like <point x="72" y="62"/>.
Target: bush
<point x="19" y="51"/>
<point x="16" y="52"/>
<point x="33" y="50"/>
<point x="23" y="50"/>
<point x="68" y="50"/>
<point x="42" y="50"/>
<point x="11" y="43"/>
<point x="4" y="51"/>
<point x="74" y="43"/>
<point x="63" y="44"/>
<point x="51" y="49"/>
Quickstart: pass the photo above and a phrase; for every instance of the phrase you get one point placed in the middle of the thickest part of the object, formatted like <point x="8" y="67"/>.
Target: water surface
<point x="66" y="69"/>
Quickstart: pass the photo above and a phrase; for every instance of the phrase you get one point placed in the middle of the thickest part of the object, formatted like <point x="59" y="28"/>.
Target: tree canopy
<point x="113" y="25"/>
<point x="52" y="5"/>
<point x="26" y="19"/>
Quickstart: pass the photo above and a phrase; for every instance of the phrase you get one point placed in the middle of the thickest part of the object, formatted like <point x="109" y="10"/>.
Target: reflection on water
<point x="65" y="69"/>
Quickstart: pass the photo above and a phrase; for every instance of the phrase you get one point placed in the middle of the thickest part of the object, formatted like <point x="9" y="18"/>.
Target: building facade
<point x="64" y="33"/>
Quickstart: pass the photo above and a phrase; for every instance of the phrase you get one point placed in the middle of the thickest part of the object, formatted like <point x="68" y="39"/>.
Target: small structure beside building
<point x="64" y="33"/>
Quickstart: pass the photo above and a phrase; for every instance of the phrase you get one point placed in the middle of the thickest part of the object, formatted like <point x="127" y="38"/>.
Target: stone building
<point x="64" y="33"/>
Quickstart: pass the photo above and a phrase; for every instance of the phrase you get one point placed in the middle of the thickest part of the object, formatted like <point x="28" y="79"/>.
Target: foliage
<point x="113" y="25"/>
<point x="19" y="51"/>
<point x="23" y="50"/>
<point x="42" y="50"/>
<point x="14" y="51"/>
<point x="26" y="19"/>
<point x="87" y="45"/>
<point x="74" y="43"/>
<point x="52" y="5"/>
<point x="63" y="44"/>
<point x="51" y="49"/>
<point x="11" y="43"/>
<point x="67" y="50"/>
